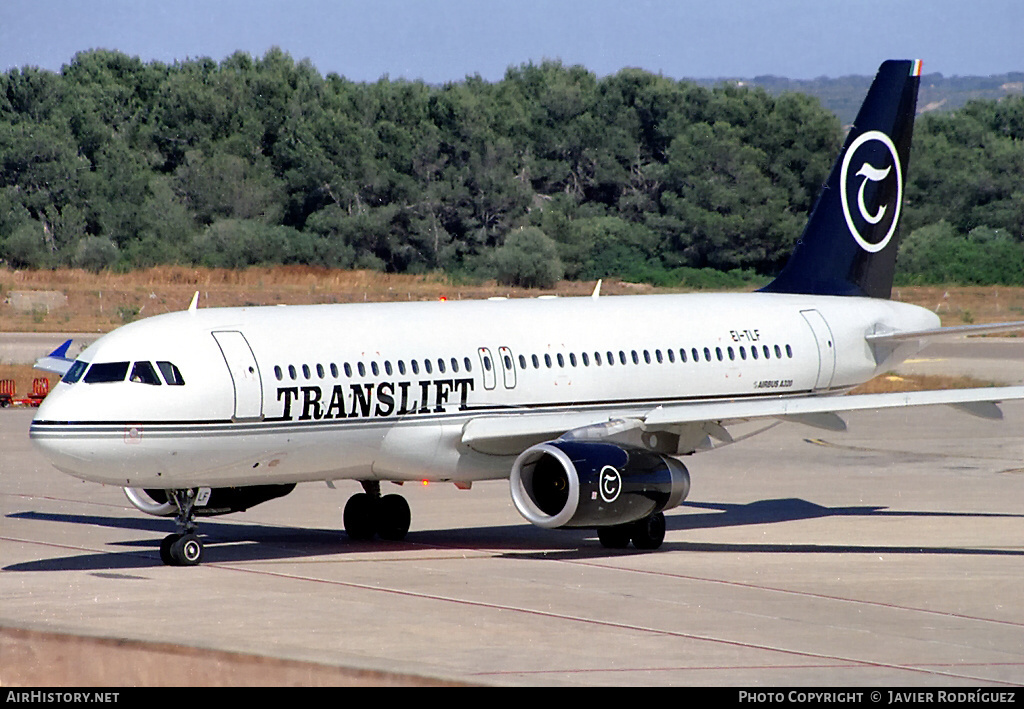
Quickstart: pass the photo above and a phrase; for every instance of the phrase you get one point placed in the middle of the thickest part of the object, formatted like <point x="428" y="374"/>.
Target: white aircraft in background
<point x="586" y="404"/>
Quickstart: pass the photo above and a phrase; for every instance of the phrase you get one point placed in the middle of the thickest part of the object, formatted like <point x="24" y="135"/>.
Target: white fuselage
<point x="383" y="391"/>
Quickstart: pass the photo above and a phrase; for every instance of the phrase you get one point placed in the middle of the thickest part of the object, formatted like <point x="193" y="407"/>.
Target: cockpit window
<point x="75" y="373"/>
<point x="101" y="372"/>
<point x="171" y="374"/>
<point x="144" y="373"/>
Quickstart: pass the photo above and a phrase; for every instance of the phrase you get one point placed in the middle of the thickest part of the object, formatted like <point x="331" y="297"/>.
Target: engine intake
<point x="590" y="484"/>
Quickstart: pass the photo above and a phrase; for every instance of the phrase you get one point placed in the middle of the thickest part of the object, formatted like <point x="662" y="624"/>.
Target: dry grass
<point x="886" y="383"/>
<point x="101" y="302"/>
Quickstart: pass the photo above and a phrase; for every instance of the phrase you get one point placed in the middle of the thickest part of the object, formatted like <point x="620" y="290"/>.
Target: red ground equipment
<point x="6" y="393"/>
<point x="40" y="388"/>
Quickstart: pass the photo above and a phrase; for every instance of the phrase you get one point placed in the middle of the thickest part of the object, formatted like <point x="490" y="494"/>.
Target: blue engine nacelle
<point x="590" y="484"/>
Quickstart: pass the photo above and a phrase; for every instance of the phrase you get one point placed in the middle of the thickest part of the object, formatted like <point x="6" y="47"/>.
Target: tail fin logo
<point x="878" y="180"/>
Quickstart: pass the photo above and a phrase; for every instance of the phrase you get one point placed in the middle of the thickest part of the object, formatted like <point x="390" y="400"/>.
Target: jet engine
<point x="592" y="484"/>
<point x="222" y="500"/>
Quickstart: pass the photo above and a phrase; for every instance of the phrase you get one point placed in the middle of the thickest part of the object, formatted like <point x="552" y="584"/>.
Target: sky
<point x="446" y="40"/>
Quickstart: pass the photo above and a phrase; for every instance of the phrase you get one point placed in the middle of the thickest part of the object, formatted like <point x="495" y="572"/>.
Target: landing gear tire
<point x="181" y="550"/>
<point x="165" y="549"/>
<point x="393" y="518"/>
<point x="361" y="516"/>
<point x="616" y="537"/>
<point x="649" y="532"/>
<point x="367" y="515"/>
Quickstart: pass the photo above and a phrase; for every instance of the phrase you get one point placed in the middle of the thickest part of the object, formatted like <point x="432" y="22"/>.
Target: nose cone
<point x="50" y="433"/>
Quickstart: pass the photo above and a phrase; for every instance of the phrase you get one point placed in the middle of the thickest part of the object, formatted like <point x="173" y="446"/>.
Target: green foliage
<point x="116" y="162"/>
<point x="528" y="258"/>
<point x="95" y="253"/>
<point x="938" y="254"/>
<point x="25" y="248"/>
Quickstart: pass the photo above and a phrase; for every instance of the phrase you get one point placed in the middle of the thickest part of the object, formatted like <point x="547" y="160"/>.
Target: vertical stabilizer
<point x="849" y="244"/>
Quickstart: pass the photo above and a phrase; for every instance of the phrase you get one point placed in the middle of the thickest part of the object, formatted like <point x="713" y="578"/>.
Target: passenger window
<point x="536" y="362"/>
<point x="427" y="367"/>
<point x="278" y="373"/>
<point x="106" y="372"/>
<point x="334" y="370"/>
<point x="348" y="370"/>
<point x="415" y="367"/>
<point x="778" y="352"/>
<point x="305" y="371"/>
<point x="172" y="376"/>
<point x="401" y="367"/>
<point x="75" y="373"/>
<point x="572" y="358"/>
<point x="789" y="351"/>
<point x="375" y="369"/>
<point x="440" y="365"/>
<point x="361" y="368"/>
<point x="469" y="365"/>
<point x="586" y="359"/>
<point x="455" y="365"/>
<point x="291" y="371"/>
<point x="387" y="368"/>
<point x="522" y="361"/>
<point x="143" y="373"/>
<point x="320" y="370"/>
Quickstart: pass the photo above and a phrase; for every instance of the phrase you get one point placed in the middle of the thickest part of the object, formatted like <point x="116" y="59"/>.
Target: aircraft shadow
<point x="228" y="542"/>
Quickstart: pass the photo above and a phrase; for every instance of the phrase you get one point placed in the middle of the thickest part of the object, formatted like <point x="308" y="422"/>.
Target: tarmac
<point x="890" y="555"/>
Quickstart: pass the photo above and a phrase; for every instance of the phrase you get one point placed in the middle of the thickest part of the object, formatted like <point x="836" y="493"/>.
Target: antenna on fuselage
<point x="194" y="305"/>
<point x="597" y="290"/>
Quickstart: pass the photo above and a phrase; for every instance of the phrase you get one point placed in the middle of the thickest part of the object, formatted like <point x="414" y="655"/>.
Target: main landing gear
<point x="183" y="548"/>
<point x="646" y="534"/>
<point x="368" y="514"/>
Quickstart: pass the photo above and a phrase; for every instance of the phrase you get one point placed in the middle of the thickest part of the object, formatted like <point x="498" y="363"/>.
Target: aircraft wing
<point x="57" y="361"/>
<point x="503" y="434"/>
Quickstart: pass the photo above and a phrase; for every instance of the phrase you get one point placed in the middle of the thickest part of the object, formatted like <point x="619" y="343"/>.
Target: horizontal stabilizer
<point x="945" y="332"/>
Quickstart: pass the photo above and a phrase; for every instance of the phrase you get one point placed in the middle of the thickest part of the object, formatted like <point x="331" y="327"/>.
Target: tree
<point x="528" y="258"/>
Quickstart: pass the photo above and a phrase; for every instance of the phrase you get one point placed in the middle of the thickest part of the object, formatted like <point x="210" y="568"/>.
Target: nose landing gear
<point x="183" y="548"/>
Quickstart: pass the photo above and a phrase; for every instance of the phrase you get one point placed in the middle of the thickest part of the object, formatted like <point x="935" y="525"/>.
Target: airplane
<point x="584" y="404"/>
